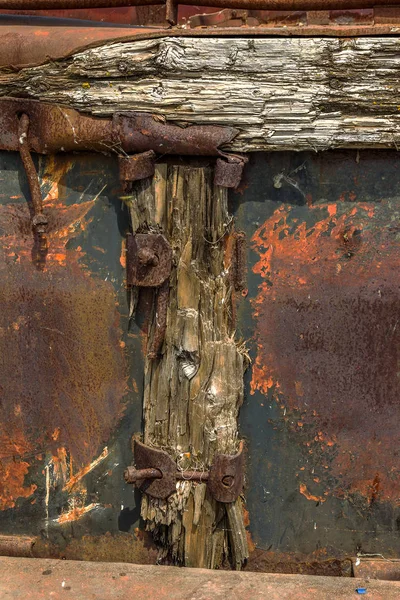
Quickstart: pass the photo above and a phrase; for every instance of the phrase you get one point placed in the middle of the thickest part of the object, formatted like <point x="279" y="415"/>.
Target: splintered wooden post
<point x="194" y="388"/>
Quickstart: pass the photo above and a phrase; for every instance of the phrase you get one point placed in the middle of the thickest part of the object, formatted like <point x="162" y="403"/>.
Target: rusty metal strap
<point x="54" y="128"/>
<point x="288" y="5"/>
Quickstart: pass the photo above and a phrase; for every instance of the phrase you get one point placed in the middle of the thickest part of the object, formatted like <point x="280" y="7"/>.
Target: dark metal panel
<point x="321" y="412"/>
<point x="70" y="370"/>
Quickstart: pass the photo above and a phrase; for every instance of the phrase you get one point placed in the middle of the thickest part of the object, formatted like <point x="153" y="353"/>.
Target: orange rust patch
<point x="75" y="513"/>
<point x="62" y="375"/>
<point x="303" y="490"/>
<point x="328" y="337"/>
<point x="12" y="477"/>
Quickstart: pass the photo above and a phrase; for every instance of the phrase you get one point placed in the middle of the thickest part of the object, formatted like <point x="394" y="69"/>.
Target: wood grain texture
<point x="282" y="93"/>
<point x="194" y="390"/>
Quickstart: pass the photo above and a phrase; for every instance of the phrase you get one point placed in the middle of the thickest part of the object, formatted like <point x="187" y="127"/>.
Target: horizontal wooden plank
<point x="282" y="93"/>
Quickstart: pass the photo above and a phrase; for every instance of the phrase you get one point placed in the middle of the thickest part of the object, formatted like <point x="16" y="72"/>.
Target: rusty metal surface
<point x="227" y="476"/>
<point x="156" y="474"/>
<point x="320" y="413"/>
<point x="145" y="458"/>
<point x="16" y="545"/>
<point x="228" y="172"/>
<point x="138" y="132"/>
<point x="39" y="579"/>
<point x="71" y="368"/>
<point x="136" y="167"/>
<point x="35" y="203"/>
<point x="72" y="4"/>
<point x="270" y="561"/>
<point x="289" y="5"/>
<point x="51" y="128"/>
<point x="148" y="259"/>
<point x="121" y="15"/>
<point x="376" y="568"/>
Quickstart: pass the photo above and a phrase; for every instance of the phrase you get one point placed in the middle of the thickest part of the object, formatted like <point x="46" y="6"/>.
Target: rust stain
<point x="328" y="337"/>
<point x="76" y="513"/>
<point x="12" y="477"/>
<point x="85" y="470"/>
<point x="304" y="491"/>
<point x="62" y="377"/>
<point x="137" y="547"/>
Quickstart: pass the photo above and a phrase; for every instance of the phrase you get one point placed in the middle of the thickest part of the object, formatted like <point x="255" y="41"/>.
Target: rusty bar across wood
<point x="288" y="5"/>
<point x="16" y="545"/>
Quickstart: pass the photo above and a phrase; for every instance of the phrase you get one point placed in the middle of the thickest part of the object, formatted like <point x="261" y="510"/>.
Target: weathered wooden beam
<point x="282" y="93"/>
<point x="194" y="389"/>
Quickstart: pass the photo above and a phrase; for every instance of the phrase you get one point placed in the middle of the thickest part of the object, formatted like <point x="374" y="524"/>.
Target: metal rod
<point x="289" y="5"/>
<point x="72" y="4"/>
<point x="39" y="220"/>
<point x="201" y="476"/>
<point x="132" y="475"/>
<point x="33" y="182"/>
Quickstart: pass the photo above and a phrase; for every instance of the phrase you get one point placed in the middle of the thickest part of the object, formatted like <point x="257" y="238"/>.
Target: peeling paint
<point x="328" y="340"/>
<point x="62" y="376"/>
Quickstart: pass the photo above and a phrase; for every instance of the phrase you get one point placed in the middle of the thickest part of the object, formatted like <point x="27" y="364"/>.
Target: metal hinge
<point x="149" y="264"/>
<point x="156" y="474"/>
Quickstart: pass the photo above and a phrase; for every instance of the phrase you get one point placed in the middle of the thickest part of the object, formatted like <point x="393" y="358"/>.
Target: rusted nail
<point x="133" y="168"/>
<point x="39" y="220"/>
<point x="228" y="172"/>
<point x="160" y="321"/>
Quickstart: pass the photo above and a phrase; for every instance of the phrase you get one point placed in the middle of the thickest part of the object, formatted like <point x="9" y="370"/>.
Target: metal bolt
<point x="228" y="480"/>
<point x="147" y="258"/>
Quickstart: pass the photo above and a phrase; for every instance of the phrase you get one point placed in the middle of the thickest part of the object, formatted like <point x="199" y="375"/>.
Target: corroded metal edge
<point x="39" y="579"/>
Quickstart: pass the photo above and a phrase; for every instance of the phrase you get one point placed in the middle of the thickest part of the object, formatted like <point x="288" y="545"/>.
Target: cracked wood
<point x="194" y="390"/>
<point x="282" y="93"/>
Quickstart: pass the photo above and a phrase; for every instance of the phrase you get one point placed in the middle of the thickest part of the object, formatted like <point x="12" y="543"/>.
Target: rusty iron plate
<point x="376" y="568"/>
<point x="145" y="458"/>
<point x="71" y="368"/>
<point x="148" y="259"/>
<point x="136" y="167"/>
<point x="226" y="478"/>
<point x="321" y="409"/>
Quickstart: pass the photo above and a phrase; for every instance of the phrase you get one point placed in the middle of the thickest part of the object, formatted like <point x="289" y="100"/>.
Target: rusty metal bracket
<point x="136" y="167"/>
<point x="56" y="128"/>
<point x="148" y="259"/>
<point x="149" y="264"/>
<point x="156" y="474"/>
<point x="228" y="172"/>
<point x="138" y="132"/>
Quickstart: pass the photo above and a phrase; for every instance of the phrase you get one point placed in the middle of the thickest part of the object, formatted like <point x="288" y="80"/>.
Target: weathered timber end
<point x="282" y="93"/>
<point x="194" y="389"/>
